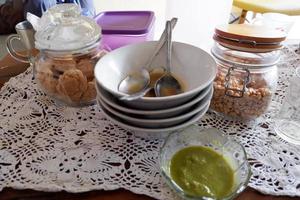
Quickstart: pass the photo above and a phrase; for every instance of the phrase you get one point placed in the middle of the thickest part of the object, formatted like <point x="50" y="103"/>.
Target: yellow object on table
<point x="288" y="7"/>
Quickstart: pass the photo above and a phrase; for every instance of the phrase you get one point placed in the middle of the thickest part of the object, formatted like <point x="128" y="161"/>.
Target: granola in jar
<point x="245" y="82"/>
<point x="252" y="103"/>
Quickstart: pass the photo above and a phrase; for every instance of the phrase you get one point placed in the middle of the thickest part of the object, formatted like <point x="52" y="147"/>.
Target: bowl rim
<point x="193" y="119"/>
<point x="189" y="113"/>
<point x="123" y="108"/>
<point x="166" y="98"/>
<point x="179" y="191"/>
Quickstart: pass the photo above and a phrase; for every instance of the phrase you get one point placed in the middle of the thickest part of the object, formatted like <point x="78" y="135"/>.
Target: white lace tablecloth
<point x="50" y="148"/>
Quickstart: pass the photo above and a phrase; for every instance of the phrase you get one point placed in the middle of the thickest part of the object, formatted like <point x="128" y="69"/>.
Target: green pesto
<point x="201" y="171"/>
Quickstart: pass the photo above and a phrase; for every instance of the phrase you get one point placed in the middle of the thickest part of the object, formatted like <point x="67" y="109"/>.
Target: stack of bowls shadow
<point x="156" y="116"/>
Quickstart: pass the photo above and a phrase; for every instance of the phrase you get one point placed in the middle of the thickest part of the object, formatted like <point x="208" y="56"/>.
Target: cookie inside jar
<point x="69" y="47"/>
<point x="69" y="78"/>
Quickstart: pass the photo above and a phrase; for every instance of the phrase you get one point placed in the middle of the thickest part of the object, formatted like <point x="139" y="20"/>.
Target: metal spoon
<point x="168" y="85"/>
<point x="137" y="84"/>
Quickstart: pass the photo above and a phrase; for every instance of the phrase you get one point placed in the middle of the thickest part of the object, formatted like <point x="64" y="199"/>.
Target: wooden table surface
<point x="11" y="194"/>
<point x="121" y="194"/>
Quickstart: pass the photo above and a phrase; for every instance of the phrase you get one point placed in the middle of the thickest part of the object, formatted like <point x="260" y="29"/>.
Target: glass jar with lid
<point x="247" y="73"/>
<point x="69" y="47"/>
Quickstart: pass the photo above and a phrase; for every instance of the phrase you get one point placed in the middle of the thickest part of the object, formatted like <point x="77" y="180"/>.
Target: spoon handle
<point x="169" y="45"/>
<point x="161" y="42"/>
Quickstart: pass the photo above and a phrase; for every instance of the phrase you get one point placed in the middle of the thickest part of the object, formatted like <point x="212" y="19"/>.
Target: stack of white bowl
<point x="156" y="116"/>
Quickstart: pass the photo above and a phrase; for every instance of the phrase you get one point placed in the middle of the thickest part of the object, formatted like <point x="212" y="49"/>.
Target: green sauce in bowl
<point x="201" y="171"/>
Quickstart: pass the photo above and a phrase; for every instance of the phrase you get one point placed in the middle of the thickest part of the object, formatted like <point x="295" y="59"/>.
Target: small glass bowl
<point x="193" y="135"/>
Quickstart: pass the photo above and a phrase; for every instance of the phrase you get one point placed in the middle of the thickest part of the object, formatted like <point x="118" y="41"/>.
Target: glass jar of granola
<point x="69" y="47"/>
<point x="246" y="78"/>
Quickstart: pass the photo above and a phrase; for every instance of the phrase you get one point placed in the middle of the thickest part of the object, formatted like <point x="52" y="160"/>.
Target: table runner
<point x="51" y="148"/>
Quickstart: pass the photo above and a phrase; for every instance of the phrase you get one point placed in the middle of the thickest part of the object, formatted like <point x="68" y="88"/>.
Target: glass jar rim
<point x="243" y="59"/>
<point x="79" y="51"/>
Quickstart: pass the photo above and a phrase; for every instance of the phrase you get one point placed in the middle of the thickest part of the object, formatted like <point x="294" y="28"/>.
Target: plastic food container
<point x="121" y="28"/>
<point x="69" y="49"/>
<point x="247" y="71"/>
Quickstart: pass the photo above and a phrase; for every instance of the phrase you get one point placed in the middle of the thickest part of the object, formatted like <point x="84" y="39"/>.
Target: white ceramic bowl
<point x="113" y="101"/>
<point x="192" y="65"/>
<point x="159" y="123"/>
<point x="153" y="132"/>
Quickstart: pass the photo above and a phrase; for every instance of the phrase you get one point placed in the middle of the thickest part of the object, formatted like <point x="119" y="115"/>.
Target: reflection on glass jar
<point x="287" y="121"/>
<point x="245" y="82"/>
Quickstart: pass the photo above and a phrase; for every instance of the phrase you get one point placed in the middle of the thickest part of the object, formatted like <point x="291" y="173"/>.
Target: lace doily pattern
<point x="51" y="148"/>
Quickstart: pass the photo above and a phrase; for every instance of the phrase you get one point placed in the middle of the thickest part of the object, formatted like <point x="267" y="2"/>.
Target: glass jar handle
<point x="234" y="92"/>
<point x="12" y="52"/>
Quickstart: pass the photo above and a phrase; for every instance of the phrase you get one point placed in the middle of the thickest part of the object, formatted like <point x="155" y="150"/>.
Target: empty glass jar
<point x="287" y="121"/>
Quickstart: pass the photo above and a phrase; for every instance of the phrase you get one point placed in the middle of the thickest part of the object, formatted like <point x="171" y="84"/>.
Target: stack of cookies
<point x="69" y="79"/>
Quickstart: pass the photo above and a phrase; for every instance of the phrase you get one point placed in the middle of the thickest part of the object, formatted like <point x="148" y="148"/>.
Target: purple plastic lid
<point x="125" y="22"/>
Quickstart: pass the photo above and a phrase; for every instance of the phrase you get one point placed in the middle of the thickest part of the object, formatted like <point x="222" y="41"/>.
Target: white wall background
<point x="196" y="18"/>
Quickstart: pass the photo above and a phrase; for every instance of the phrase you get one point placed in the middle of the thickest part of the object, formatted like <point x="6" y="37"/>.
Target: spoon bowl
<point x="168" y="85"/>
<point x="136" y="90"/>
<point x="137" y="84"/>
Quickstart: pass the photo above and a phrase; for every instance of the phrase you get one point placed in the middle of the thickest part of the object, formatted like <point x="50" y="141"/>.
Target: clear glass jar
<point x="69" y="47"/>
<point x="244" y="83"/>
<point x="68" y="76"/>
